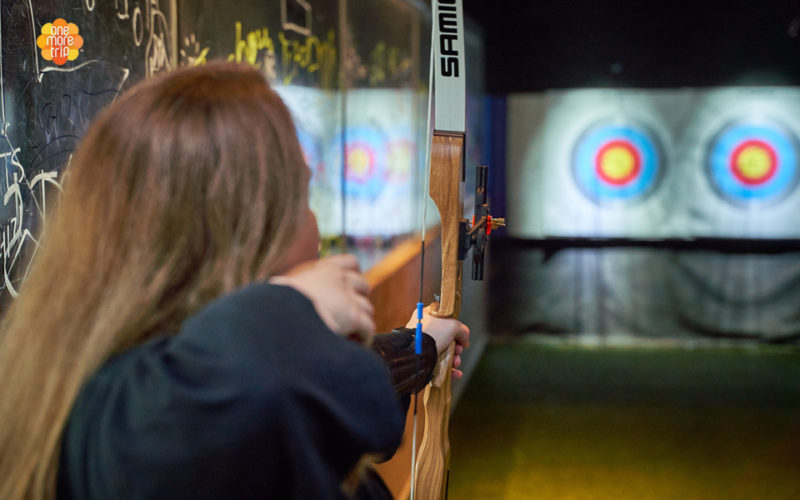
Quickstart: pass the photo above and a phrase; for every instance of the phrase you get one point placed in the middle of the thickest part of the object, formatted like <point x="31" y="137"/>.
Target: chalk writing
<point x="191" y="53"/>
<point x="153" y="24"/>
<point x="15" y="233"/>
<point x="297" y="10"/>
<point x="387" y="63"/>
<point x="57" y="104"/>
<point x="157" y="51"/>
<point x="122" y="9"/>
<point x="289" y="57"/>
<point x="247" y="50"/>
<point x="51" y="113"/>
<point x="310" y="55"/>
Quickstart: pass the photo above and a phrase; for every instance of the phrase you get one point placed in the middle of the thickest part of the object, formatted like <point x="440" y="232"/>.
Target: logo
<point x="448" y="37"/>
<point x="60" y="41"/>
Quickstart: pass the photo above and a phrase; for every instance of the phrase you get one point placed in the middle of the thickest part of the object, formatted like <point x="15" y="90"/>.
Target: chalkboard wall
<point x="350" y="70"/>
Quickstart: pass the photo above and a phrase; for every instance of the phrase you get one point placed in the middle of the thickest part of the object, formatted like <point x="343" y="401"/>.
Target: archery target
<point x="365" y="156"/>
<point x="617" y="163"/>
<point x="752" y="163"/>
<point x="378" y="154"/>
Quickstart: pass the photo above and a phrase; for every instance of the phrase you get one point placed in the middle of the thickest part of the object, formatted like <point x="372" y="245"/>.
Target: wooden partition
<point x="394" y="291"/>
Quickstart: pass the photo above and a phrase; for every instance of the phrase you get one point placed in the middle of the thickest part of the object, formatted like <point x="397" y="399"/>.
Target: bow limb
<point x="433" y="467"/>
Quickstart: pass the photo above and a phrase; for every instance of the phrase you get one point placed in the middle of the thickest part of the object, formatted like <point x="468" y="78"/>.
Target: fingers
<point x="462" y="336"/>
<point x="364" y="305"/>
<point x="444" y="331"/>
<point x="352" y="272"/>
<point x="362" y="321"/>
<point x="344" y="260"/>
<point x="338" y="292"/>
<point x="363" y="312"/>
<point x="455" y="372"/>
<point x="357" y="282"/>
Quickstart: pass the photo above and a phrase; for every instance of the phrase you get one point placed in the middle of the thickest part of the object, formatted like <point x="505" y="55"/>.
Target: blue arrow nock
<point x="418" y="335"/>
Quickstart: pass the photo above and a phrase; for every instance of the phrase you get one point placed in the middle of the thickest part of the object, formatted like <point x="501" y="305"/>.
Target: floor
<point x="540" y="421"/>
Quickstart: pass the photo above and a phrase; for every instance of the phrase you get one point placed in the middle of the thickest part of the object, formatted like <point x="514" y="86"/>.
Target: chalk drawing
<point x="191" y="53"/>
<point x="59" y="117"/>
<point x="288" y="24"/>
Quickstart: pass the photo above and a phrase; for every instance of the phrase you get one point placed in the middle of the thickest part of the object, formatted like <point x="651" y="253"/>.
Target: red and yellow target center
<point x="359" y="163"/>
<point x="754" y="162"/>
<point x="618" y="163"/>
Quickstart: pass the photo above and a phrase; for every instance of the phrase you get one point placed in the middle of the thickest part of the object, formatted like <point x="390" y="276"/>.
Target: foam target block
<point x="740" y="164"/>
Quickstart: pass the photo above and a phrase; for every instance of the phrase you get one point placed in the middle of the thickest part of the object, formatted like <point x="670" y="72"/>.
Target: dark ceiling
<point x="535" y="45"/>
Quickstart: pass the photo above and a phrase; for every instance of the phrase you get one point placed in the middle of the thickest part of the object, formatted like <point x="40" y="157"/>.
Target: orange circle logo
<point x="60" y="41"/>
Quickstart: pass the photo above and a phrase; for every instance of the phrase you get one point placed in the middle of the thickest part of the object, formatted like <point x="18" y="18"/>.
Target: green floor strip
<point x="541" y="422"/>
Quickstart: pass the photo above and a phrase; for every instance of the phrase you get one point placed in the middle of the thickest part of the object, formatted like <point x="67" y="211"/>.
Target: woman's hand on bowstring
<point x="338" y="291"/>
<point x="444" y="331"/>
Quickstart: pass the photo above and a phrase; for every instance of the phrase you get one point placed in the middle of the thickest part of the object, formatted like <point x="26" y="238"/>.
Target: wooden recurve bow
<point x="458" y="235"/>
<point x="446" y="175"/>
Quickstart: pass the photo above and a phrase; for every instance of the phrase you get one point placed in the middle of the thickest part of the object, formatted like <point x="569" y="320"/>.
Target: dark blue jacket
<point x="253" y="398"/>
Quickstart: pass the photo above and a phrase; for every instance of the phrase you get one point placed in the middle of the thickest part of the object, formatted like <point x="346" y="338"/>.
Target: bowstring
<point x="423" y="229"/>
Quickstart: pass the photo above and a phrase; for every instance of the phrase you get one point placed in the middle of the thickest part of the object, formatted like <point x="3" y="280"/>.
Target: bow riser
<point x="447" y="162"/>
<point x="446" y="177"/>
<point x="447" y="166"/>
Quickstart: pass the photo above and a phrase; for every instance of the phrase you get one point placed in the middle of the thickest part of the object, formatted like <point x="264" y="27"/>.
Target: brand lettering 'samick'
<point x="448" y="36"/>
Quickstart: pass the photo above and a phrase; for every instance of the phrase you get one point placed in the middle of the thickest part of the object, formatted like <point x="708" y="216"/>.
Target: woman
<point x="173" y="338"/>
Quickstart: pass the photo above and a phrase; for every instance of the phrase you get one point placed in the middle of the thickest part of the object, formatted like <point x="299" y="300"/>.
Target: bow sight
<point x="474" y="235"/>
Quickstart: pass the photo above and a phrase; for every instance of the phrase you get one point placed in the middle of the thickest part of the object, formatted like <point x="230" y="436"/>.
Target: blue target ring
<point x="617" y="163"/>
<point x="753" y="163"/>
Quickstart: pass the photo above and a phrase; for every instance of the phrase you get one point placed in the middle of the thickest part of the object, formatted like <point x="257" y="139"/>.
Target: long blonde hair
<point x="187" y="187"/>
